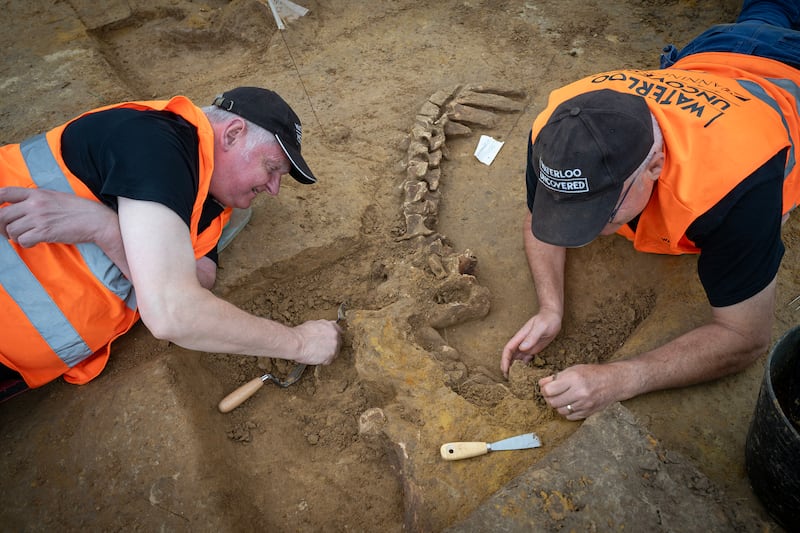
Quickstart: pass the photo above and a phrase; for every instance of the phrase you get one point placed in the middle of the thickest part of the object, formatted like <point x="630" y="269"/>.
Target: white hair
<point x="256" y="135"/>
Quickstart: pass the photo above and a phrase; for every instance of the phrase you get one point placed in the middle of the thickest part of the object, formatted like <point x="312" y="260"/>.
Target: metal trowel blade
<point x="520" y="442"/>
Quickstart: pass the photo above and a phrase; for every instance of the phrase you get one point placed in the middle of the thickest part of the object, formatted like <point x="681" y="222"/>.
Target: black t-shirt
<point x="739" y="238"/>
<point x="142" y="155"/>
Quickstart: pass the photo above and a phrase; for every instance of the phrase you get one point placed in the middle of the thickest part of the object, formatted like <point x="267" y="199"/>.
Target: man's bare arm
<point x="174" y="306"/>
<point x="734" y="338"/>
<point x="546" y="264"/>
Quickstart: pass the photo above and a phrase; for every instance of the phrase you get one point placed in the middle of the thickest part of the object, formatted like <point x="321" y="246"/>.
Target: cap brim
<point x="570" y="224"/>
<point x="300" y="170"/>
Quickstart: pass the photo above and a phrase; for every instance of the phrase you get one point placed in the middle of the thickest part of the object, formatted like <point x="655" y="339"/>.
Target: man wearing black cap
<point x="698" y="157"/>
<point x="118" y="214"/>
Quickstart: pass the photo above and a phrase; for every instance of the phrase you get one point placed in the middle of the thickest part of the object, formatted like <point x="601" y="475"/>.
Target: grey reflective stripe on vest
<point x="25" y="289"/>
<point x="20" y="283"/>
<point x="759" y="92"/>
<point x="43" y="167"/>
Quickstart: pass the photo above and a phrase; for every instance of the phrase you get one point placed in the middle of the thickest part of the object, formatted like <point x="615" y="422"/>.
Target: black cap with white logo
<point x="589" y="146"/>
<point x="267" y="109"/>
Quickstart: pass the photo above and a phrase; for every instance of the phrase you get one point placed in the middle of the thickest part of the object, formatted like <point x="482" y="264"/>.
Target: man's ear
<point x="233" y="132"/>
<point x="656" y="165"/>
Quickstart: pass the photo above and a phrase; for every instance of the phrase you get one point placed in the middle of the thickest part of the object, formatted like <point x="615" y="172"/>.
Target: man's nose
<point x="274" y="183"/>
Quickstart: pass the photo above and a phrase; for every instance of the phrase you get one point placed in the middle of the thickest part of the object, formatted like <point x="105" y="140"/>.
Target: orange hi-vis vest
<point x="62" y="305"/>
<point x="722" y="116"/>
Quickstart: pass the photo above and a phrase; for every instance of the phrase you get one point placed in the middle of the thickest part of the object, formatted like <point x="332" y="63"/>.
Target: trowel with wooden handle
<point x="237" y="397"/>
<point x="463" y="450"/>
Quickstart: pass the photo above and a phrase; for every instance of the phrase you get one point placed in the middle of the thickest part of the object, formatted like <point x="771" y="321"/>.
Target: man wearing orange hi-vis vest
<point x="119" y="214"/>
<point x="698" y="157"/>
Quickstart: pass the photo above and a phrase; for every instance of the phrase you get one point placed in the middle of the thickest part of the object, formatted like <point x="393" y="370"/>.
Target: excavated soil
<point x="420" y="239"/>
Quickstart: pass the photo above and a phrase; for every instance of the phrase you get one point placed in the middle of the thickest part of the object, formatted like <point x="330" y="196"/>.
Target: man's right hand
<point x="547" y="268"/>
<point x="531" y="339"/>
<point x="321" y="340"/>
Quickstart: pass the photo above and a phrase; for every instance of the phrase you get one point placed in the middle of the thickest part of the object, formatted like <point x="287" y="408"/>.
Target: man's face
<point x="240" y="175"/>
<point x="634" y="202"/>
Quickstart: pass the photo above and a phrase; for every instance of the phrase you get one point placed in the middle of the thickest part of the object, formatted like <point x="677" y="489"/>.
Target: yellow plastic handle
<point x="463" y="450"/>
<point x="235" y="399"/>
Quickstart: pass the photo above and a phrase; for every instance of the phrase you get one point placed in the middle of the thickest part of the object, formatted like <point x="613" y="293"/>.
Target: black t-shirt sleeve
<point x="142" y="155"/>
<point x="531" y="178"/>
<point x="161" y="170"/>
<point x="211" y="210"/>
<point x="740" y="237"/>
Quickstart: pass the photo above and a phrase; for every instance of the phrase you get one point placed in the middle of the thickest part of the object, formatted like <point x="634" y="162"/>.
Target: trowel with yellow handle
<point x="464" y="450"/>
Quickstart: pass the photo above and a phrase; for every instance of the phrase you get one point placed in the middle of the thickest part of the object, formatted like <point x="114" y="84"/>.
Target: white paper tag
<point x="487" y="149"/>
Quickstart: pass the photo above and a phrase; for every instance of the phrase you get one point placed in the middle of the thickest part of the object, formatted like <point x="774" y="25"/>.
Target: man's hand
<point x="581" y="390"/>
<point x="531" y="339"/>
<point x="174" y="306"/>
<point x="38" y="215"/>
<point x="33" y="216"/>
<point x="546" y="263"/>
<point x="321" y="342"/>
<point x="206" y="272"/>
<point x="732" y="340"/>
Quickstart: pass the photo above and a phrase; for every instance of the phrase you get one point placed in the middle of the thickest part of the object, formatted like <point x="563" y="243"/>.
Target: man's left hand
<point x="32" y="216"/>
<point x="582" y="390"/>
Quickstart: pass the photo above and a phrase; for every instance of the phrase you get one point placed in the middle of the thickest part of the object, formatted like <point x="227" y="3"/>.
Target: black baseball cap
<point x="589" y="146"/>
<point x="267" y="109"/>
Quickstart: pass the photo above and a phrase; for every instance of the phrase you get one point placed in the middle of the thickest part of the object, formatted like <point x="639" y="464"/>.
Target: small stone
<point x="435" y="264"/>
<point x="371" y="421"/>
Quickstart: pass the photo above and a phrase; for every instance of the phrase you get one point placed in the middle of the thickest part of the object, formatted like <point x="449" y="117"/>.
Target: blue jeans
<point x="765" y="28"/>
